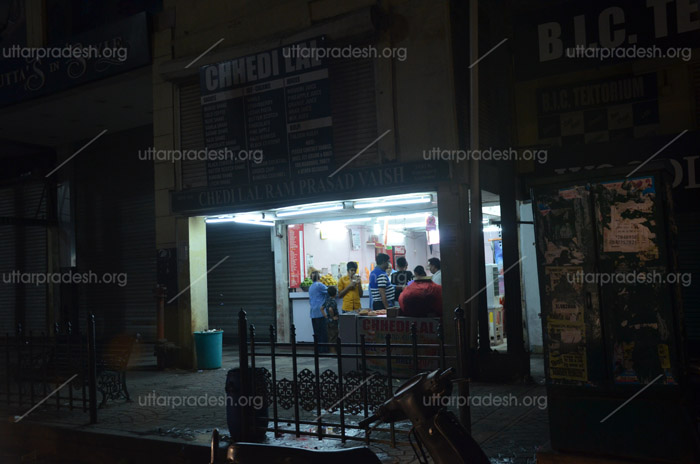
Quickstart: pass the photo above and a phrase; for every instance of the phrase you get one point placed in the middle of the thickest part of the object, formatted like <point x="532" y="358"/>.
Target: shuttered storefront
<point x="23" y="248"/>
<point x="8" y="262"/>
<point x="689" y="262"/>
<point x="689" y="243"/>
<point x="194" y="173"/>
<point x="115" y="234"/>
<point x="246" y="279"/>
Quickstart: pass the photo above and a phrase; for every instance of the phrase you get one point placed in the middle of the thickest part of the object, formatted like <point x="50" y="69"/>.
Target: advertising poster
<point x="567" y="350"/>
<point x="295" y="244"/>
<point x="375" y="329"/>
<point x="629" y="209"/>
<point x="565" y="285"/>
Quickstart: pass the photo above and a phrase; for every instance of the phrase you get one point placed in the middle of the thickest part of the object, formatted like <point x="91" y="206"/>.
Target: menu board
<point x="295" y="244"/>
<point x="267" y="116"/>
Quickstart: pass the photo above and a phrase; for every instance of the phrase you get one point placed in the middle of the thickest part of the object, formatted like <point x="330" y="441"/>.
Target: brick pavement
<point x="509" y="433"/>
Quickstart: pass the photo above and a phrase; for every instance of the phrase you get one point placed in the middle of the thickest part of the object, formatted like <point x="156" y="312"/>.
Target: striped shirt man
<point x="378" y="278"/>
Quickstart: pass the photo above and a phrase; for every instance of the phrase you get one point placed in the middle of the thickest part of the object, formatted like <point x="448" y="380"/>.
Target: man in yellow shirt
<point x="350" y="288"/>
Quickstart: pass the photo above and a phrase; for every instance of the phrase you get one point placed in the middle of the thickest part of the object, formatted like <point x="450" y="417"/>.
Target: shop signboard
<point x="111" y="49"/>
<point x="375" y="330"/>
<point x="619" y="107"/>
<point x="580" y="35"/>
<point x="267" y="116"/>
<point x="385" y="179"/>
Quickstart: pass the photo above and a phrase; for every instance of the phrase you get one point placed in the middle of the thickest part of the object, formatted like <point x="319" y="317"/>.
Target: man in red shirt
<point x="422" y="297"/>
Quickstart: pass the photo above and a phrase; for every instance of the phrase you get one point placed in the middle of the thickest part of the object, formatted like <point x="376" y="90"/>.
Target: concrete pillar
<point x="454" y="255"/>
<point x="192" y="303"/>
<point x="282" y="309"/>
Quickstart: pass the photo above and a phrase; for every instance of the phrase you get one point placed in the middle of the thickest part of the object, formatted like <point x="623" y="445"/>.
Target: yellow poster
<point x="567" y="350"/>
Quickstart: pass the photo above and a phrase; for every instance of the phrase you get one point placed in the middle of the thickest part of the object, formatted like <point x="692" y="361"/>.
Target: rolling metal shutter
<point x="8" y="262"/>
<point x="354" y="110"/>
<point x="23" y="248"/>
<point x="246" y="279"/>
<point x="194" y="173"/>
<point x="115" y="234"/>
<point x="688" y="244"/>
<point x="34" y="239"/>
<point x="689" y="262"/>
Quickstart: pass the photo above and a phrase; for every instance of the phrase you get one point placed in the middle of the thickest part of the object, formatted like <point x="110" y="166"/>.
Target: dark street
<point x="377" y="231"/>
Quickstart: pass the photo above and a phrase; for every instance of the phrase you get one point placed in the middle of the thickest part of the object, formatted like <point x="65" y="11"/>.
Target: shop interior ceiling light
<point x="254" y="222"/>
<point x="311" y="210"/>
<point x="219" y="219"/>
<point x="346" y="221"/>
<point x="254" y="219"/>
<point x="393" y="202"/>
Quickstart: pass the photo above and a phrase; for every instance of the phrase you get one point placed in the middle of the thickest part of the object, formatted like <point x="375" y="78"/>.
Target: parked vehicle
<point x="444" y="438"/>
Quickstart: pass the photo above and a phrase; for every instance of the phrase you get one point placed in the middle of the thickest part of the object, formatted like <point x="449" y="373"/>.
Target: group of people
<point x="417" y="294"/>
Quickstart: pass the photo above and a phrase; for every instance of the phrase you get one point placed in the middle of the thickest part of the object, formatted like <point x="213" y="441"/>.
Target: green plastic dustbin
<point x="208" y="346"/>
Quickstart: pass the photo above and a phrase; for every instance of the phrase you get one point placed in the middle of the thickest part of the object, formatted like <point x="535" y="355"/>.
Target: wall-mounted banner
<point x="547" y="39"/>
<point x="349" y="183"/>
<point x="295" y="244"/>
<point x="106" y="51"/>
<point x="271" y="114"/>
<point x="620" y="107"/>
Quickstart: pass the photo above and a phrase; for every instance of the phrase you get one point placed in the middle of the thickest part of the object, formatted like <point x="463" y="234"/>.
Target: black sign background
<point x="22" y="79"/>
<point x="274" y="105"/>
<point x="348" y="183"/>
<point x="541" y="38"/>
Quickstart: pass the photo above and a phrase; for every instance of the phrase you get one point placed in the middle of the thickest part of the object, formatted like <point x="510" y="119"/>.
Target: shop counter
<point x="300" y="315"/>
<point x="375" y="329"/>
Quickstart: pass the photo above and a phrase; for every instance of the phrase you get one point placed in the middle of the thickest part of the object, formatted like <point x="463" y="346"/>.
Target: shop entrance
<point x="319" y="236"/>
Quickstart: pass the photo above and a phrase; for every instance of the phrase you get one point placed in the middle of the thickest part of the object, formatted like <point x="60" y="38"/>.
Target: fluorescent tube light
<point x="314" y="210"/>
<point x="254" y="222"/>
<point x="217" y="220"/>
<point x="394" y="202"/>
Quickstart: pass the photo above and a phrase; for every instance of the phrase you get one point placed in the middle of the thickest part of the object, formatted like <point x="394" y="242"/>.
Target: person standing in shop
<point x="317" y="297"/>
<point x="350" y="288"/>
<point x="402" y="277"/>
<point x="330" y="308"/>
<point x="380" y="286"/>
<point x="423" y="298"/>
<point x="434" y="266"/>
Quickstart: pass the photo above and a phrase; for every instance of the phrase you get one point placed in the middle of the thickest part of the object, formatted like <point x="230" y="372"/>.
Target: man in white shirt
<point x="434" y="266"/>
